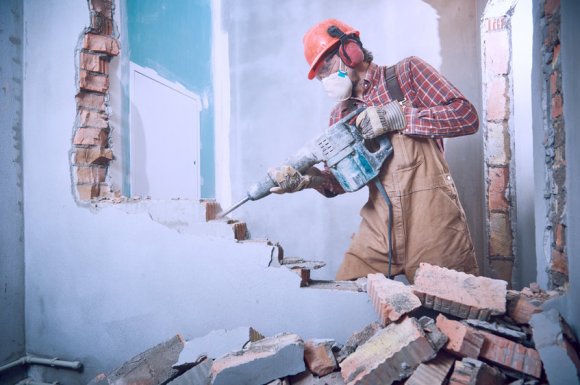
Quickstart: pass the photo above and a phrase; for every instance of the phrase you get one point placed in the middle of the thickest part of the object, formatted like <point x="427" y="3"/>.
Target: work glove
<point x="376" y="121"/>
<point x="288" y="179"/>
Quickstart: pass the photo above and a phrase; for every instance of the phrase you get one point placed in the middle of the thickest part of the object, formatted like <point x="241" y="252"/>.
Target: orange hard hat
<point x="317" y="42"/>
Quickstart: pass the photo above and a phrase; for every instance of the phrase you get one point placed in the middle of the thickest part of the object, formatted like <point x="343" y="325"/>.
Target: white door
<point x="165" y="126"/>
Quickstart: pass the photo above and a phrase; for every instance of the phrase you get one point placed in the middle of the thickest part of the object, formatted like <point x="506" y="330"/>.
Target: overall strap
<point x="393" y="86"/>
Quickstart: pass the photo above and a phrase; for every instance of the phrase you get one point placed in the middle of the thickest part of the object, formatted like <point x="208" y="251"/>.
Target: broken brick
<point x="262" y="361"/>
<point x="91" y="101"/>
<point x="510" y="354"/>
<point x="433" y="372"/>
<point x="96" y="119"/>
<point x="95" y="63"/>
<point x="459" y="294"/>
<point x="390" y="355"/>
<point x="437" y="337"/>
<point x="473" y="372"/>
<point x="357" y="339"/>
<point x="559" y="356"/>
<point x="93" y="82"/>
<point x="391" y="299"/>
<point x="240" y="230"/>
<point x="100" y="43"/>
<point x="212" y="209"/>
<point x="91" y="174"/>
<point x="91" y="137"/>
<point x="464" y="341"/>
<point x="93" y="155"/>
<point x="319" y="356"/>
<point x="520" y="308"/>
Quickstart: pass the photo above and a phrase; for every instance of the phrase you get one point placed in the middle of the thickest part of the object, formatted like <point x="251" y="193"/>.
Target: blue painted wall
<point x="173" y="37"/>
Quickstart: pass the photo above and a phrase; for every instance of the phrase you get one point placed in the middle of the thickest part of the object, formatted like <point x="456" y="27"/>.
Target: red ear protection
<point x="351" y="53"/>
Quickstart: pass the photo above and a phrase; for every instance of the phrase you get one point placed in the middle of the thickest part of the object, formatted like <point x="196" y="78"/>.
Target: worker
<point x="428" y="222"/>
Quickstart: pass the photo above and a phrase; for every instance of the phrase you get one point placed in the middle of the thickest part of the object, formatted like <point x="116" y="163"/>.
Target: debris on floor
<point x="447" y="328"/>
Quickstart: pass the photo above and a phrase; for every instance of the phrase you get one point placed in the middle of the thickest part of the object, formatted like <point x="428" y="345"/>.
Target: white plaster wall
<point x="11" y="203"/>
<point x="105" y="284"/>
<point x="275" y="109"/>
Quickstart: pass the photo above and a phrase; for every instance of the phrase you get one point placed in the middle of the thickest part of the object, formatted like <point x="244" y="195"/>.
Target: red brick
<point x="391" y="299"/>
<point x="91" y="174"/>
<point x="498" y="188"/>
<point x="459" y="294"/>
<point x="101" y="25"/>
<point x="91" y="101"/>
<point x="559" y="262"/>
<point x="390" y="355"/>
<point x="104" y="7"/>
<point x="463" y="340"/>
<point x="557" y="107"/>
<point x="473" y="372"/>
<point x="96" y="119"/>
<point x="93" y="155"/>
<point x="497" y="53"/>
<point x="212" y="209"/>
<point x="520" y="308"/>
<point x="99" y="43"/>
<point x="94" y="63"/>
<point x="554" y="82"/>
<point x="93" y="82"/>
<point x="433" y="372"/>
<point x="560" y="236"/>
<point x="240" y="230"/>
<point x="497" y="99"/>
<point x="500" y="235"/>
<point x="496" y="23"/>
<point x="91" y="136"/>
<point x="551" y="7"/>
<point x="510" y="354"/>
<point x="319" y="357"/>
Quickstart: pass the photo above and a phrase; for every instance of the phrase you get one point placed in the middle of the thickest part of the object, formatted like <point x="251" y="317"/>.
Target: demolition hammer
<point x="342" y="149"/>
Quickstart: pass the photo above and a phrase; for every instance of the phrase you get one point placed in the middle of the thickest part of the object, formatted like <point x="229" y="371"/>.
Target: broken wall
<point x="11" y="223"/>
<point x="105" y="282"/>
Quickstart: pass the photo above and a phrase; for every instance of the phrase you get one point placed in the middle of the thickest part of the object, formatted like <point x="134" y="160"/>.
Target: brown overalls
<point x="429" y="223"/>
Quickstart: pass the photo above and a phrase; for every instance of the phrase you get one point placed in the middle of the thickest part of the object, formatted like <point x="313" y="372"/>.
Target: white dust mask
<point x="338" y="85"/>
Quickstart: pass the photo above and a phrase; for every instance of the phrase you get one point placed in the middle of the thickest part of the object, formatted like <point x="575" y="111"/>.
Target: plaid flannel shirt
<point x="433" y="107"/>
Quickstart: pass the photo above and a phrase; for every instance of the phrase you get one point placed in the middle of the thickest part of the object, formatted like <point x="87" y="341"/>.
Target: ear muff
<point x="351" y="53"/>
<point x="350" y="48"/>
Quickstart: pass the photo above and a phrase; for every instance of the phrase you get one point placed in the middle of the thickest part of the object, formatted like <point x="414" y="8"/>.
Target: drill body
<point x="342" y="149"/>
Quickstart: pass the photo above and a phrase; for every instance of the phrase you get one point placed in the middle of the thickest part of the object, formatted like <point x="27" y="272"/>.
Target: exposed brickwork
<point x="498" y="115"/>
<point x="90" y="144"/>
<point x="510" y="354"/>
<point x="555" y="145"/>
<point x="463" y="295"/>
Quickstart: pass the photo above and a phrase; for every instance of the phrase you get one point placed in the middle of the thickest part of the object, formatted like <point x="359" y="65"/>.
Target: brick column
<point x="91" y="152"/>
<point x="554" y="144"/>
<point x="498" y="145"/>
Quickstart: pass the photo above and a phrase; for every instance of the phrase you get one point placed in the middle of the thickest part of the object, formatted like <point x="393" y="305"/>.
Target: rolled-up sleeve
<point x="437" y="109"/>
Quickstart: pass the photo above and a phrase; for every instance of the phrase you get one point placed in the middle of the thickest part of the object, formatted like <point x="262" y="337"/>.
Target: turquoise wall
<point x="173" y="37"/>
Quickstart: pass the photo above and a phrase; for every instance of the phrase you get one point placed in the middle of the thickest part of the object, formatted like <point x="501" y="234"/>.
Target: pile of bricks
<point x="447" y="328"/>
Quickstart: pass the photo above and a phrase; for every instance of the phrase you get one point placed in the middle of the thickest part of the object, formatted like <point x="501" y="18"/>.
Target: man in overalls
<point x="416" y="107"/>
